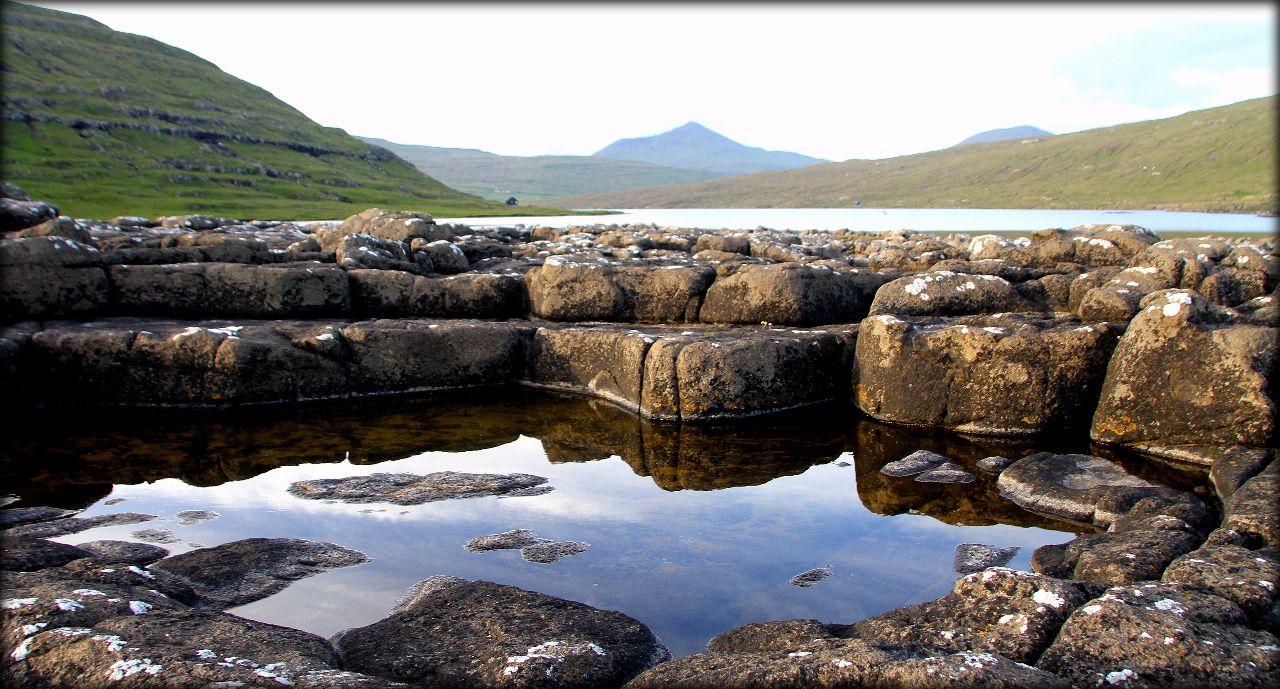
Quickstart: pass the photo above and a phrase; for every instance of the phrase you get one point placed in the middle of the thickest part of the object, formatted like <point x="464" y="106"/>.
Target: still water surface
<point x="692" y="530"/>
<point x="877" y="220"/>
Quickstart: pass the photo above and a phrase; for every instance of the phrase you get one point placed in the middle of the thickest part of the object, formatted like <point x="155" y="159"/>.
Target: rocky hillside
<point x="533" y="178"/>
<point x="1220" y="159"/>
<point x="694" y="147"/>
<point x="109" y="122"/>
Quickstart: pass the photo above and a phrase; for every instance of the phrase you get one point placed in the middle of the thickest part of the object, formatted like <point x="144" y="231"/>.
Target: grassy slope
<point x="1220" y="159"/>
<point x="533" y="178"/>
<point x="104" y="123"/>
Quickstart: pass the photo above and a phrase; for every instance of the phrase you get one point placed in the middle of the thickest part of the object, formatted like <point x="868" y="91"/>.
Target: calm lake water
<point x="876" y="219"/>
<point x="693" y="530"/>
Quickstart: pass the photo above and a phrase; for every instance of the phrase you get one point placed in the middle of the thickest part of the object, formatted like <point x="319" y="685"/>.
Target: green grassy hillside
<point x="103" y="123"/>
<point x="534" y="178"/>
<point x="1220" y="159"/>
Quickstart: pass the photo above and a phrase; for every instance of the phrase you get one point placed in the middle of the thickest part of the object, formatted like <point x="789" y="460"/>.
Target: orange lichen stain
<point x="1119" y="426"/>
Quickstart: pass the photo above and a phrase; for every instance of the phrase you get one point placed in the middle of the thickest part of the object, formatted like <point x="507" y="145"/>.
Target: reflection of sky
<point x="689" y="564"/>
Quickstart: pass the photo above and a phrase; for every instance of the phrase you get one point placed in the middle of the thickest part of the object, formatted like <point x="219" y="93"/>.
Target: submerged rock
<point x="1067" y="486"/>
<point x="917" y="462"/>
<point x="243" y="571"/>
<point x="532" y="548"/>
<point x="192" y="517"/>
<point x="975" y="557"/>
<point x="156" y="536"/>
<point x="413" y="489"/>
<point x="455" y="633"/>
<point x="946" y="473"/>
<point x="810" y="577"/>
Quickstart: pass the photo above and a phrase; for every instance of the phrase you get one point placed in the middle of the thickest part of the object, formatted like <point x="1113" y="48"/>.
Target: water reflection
<point x="692" y="529"/>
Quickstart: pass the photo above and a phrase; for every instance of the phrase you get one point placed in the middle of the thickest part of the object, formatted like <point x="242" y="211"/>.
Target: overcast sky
<point x="834" y="81"/>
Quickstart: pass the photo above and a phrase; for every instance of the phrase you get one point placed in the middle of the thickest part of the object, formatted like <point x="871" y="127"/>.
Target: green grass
<point x="1220" y="159"/>
<point x="535" y="178"/>
<point x="103" y="123"/>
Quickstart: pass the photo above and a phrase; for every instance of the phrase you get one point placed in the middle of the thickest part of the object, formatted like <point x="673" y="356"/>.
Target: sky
<point x="830" y="80"/>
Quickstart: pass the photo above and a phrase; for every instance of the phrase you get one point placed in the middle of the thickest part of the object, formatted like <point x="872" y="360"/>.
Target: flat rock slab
<point x="70" y="525"/>
<point x="811" y="577"/>
<point x="454" y="633"/>
<point x="1244" y="577"/>
<point x="1162" y="635"/>
<point x="917" y="462"/>
<point x="124" y="552"/>
<point x="243" y="571"/>
<point x="414" y="489"/>
<point x="975" y="557"/>
<point x="532" y="548"/>
<point x="27" y="554"/>
<point x="156" y="536"/>
<point x="192" y="517"/>
<point x="17" y="516"/>
<point x="1067" y="486"/>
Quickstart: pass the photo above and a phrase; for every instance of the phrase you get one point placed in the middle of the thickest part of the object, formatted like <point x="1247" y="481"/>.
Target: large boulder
<point x="411" y="355"/>
<point x="18" y="211"/>
<point x="605" y="362"/>
<point x="284" y="290"/>
<point x="944" y="293"/>
<point x="1005" y="374"/>
<point x="50" y="277"/>
<point x="579" y="289"/>
<point x="451" y="633"/>
<point x="394" y="293"/>
<point x="397" y="226"/>
<point x="785" y="294"/>
<point x="1185" y="375"/>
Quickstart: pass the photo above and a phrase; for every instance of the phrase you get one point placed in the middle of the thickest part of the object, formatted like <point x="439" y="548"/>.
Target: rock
<point x="61" y="226"/>
<point x="35" y="291"/>
<point x="975" y="557"/>
<point x="156" y="536"/>
<point x="1153" y="399"/>
<point x="445" y="257"/>
<point x="946" y="473"/>
<point x="1085" y="282"/>
<point x="1109" y="304"/>
<point x="1005" y="375"/>
<point x="132" y="221"/>
<point x="565" y="289"/>
<point x="1237" y="574"/>
<point x="1161" y="635"/>
<point x="771" y="636"/>
<point x="1065" y="486"/>
<point x="191" y="517"/>
<point x="17" y="516"/>
<point x="27" y="554"/>
<point x="667" y="294"/>
<point x="393" y="293"/>
<point x="1251" y="510"/>
<point x="194" y="222"/>
<point x="917" y="462"/>
<point x="810" y="577"/>
<point x="605" y="362"/>
<point x="532" y="548"/>
<point x="844" y="663"/>
<point x="994" y="464"/>
<point x="21" y="213"/>
<point x="413" y="489"/>
<point x="177" y="289"/>
<point x="124" y="552"/>
<point x="998" y="610"/>
<point x="410" y="355"/>
<point x="396" y="226"/>
<point x="1232" y="286"/>
<point x="944" y="293"/>
<point x="456" y="633"/>
<point x="70" y="525"/>
<point x="733" y="244"/>
<point x="283" y="290"/>
<point x="1134" y="555"/>
<point x="1237" y="465"/>
<point x="366" y="251"/>
<point x="783" y="294"/>
<point x="243" y="571"/>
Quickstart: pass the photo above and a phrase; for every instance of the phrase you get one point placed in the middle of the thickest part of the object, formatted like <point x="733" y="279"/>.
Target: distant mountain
<point x="1025" y="131"/>
<point x="1220" y="159"/>
<point x="534" y="178"/>
<point x="694" y="147"/>
<point x="103" y="123"/>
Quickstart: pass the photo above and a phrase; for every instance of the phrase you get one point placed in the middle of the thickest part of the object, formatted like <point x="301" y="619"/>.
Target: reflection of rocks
<point x="70" y="525"/>
<point x="414" y="489"/>
<point x="975" y="557"/>
<point x="456" y="633"/>
<point x="811" y="577"/>
<point x="244" y="571"/>
<point x="1065" y="486"/>
<point x="917" y="462"/>
<point x="532" y="548"/>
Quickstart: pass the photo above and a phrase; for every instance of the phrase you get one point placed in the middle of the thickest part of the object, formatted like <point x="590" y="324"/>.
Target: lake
<point x="877" y="220"/>
<point x="693" y="530"/>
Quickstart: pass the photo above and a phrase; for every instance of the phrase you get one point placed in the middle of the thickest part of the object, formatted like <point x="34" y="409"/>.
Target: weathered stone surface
<point x="27" y="553"/>
<point x="1161" y="635"/>
<point x="413" y="489"/>
<point x="975" y="557"/>
<point x="605" y="362"/>
<point x="394" y="356"/>
<point x="17" y="516"/>
<point x="1067" y="486"/>
<point x="70" y="525"/>
<point x="61" y="226"/>
<point x="243" y="571"/>
<point x="284" y="290"/>
<point x="1235" y="466"/>
<point x="946" y="473"/>
<point x="1252" y="510"/>
<point x="1132" y="556"/>
<point x="771" y="636"/>
<point x="355" y="251"/>
<point x="667" y="294"/>
<point x="784" y="294"/>
<point x="21" y="213"/>
<point x="455" y="633"/>
<point x="576" y="290"/>
<point x="1244" y="577"/>
<point x="998" y="610"/>
<point x="734" y="244"/>
<point x="398" y="226"/>
<point x="1155" y="399"/>
<point x="532" y="548"/>
<point x="35" y="291"/>
<point x="177" y="289"/>
<point x="944" y="293"/>
<point x="1109" y="304"/>
<point x="1005" y="375"/>
<point x="844" y="663"/>
<point x="994" y="464"/>
<point x="917" y="462"/>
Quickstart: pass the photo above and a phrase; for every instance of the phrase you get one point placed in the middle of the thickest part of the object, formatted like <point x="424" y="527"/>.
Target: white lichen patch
<point x="799" y="654"/>
<point x="68" y="604"/>
<point x="1091" y="609"/>
<point x="113" y="642"/>
<point x="1171" y="309"/>
<point x="978" y="660"/>
<point x="124" y="668"/>
<point x="138" y="607"/>
<point x="1120" y="676"/>
<point x="20" y="653"/>
<point x="206" y="654"/>
<point x="15" y="603"/>
<point x="1169" y="605"/>
<point x="1049" y="598"/>
<point x="88" y="592"/>
<point x="141" y="572"/>
<point x="841" y="662"/>
<point x="29" y="629"/>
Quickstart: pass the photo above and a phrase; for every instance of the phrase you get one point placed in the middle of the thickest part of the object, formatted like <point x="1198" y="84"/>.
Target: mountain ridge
<point x="1024" y="131"/>
<point x="693" y="146"/>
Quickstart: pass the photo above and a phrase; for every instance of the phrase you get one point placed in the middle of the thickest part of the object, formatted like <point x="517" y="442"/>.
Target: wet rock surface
<point x="243" y="571"/>
<point x="414" y="489"/>
<point x="1067" y="486"/>
<point x="70" y="525"/>
<point x="531" y="547"/>
<point x="124" y="552"/>
<point x="975" y="557"/>
<point x="450" y="632"/>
